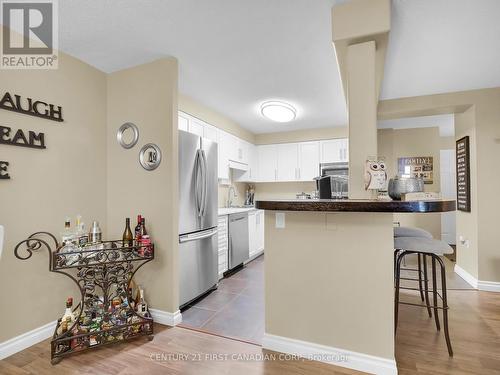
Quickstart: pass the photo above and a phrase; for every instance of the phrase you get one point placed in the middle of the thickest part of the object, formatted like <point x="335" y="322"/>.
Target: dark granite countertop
<point x="355" y="205"/>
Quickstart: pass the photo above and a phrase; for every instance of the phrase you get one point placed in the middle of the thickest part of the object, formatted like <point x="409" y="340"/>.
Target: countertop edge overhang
<point x="353" y="205"/>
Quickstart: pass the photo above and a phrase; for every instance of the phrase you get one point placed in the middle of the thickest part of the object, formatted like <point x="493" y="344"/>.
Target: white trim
<point x="487" y="286"/>
<point x="166" y="318"/>
<point x="330" y="355"/>
<point x="471" y="280"/>
<point x="27" y="339"/>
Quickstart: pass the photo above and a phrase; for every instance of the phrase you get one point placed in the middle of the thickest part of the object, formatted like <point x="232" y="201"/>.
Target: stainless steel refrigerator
<point x="198" y="195"/>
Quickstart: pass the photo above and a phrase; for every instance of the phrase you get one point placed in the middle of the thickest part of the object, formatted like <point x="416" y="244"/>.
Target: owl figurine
<point x="375" y="175"/>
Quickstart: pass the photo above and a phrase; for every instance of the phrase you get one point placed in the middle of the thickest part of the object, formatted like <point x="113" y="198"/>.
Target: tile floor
<point x="235" y="309"/>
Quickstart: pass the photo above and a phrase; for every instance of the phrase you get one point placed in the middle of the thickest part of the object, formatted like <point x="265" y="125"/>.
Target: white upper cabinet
<point x="210" y="132"/>
<point x="251" y="174"/>
<point x="183" y="122"/>
<point x="308" y="167"/>
<point x="195" y="126"/>
<point x="268" y="162"/>
<point x="224" y="143"/>
<point x="334" y="150"/>
<point x="288" y="157"/>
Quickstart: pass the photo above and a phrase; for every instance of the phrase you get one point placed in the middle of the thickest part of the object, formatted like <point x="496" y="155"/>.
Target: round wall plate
<point x="150" y="156"/>
<point x="120" y="135"/>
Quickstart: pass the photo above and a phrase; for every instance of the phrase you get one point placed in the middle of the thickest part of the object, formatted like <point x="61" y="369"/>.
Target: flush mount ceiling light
<point x="278" y="111"/>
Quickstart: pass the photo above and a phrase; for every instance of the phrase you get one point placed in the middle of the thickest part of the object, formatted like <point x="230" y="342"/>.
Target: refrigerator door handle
<point x="205" y="183"/>
<point x="198" y="178"/>
<point x="197" y="236"/>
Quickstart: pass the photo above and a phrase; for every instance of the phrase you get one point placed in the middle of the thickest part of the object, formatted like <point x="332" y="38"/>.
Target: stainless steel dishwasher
<point x="238" y="239"/>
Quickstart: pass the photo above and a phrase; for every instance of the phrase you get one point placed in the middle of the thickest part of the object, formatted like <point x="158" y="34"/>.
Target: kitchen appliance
<point x="239" y="250"/>
<point x="402" y="185"/>
<point x="198" y="202"/>
<point x="334" y="181"/>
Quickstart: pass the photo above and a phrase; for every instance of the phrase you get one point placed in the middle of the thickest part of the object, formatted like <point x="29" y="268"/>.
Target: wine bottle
<point x="128" y="238"/>
<point x="138" y="229"/>
<point x="143" y="227"/>
<point x="69" y="313"/>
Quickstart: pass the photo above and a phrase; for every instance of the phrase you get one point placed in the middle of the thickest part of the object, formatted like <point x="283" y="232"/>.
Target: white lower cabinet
<point x="255" y="232"/>
<point x="252" y="233"/>
<point x="223" y="245"/>
<point x="259" y="218"/>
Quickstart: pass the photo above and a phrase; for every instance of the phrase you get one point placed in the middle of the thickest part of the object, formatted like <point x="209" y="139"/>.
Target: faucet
<point x="229" y="200"/>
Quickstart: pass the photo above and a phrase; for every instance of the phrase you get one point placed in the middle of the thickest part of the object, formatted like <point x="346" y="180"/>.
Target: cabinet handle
<point x="275" y="174"/>
<point x="298" y="169"/>
<point x="340" y="154"/>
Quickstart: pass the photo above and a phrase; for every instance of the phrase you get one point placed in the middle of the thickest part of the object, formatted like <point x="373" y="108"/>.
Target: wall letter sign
<point x="31" y="107"/>
<point x="4" y="165"/>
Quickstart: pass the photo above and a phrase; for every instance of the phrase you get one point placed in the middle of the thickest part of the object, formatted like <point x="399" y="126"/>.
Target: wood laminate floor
<point x="420" y="349"/>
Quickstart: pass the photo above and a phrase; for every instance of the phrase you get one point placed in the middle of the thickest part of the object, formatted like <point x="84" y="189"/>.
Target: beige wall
<point x="66" y="179"/>
<point x="147" y="96"/>
<point x="396" y="143"/>
<point x="467" y="223"/>
<point x="282" y="190"/>
<point x="318" y="290"/>
<point x="196" y="109"/>
<point x="316" y="134"/>
<point x="484" y="120"/>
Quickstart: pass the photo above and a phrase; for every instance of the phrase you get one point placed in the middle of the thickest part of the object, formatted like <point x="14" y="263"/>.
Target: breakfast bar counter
<point x="329" y="278"/>
<point x="356" y="205"/>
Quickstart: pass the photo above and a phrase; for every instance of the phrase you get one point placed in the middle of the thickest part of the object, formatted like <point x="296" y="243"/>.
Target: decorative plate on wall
<point x="150" y="156"/>
<point x="125" y="139"/>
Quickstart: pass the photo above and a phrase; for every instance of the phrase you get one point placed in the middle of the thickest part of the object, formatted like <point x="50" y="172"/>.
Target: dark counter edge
<point x="356" y="206"/>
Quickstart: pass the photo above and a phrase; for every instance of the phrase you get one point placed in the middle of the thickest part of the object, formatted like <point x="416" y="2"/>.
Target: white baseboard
<point x="166" y="318"/>
<point x="471" y="280"/>
<point x="25" y="340"/>
<point x="328" y="354"/>
<point x="487" y="286"/>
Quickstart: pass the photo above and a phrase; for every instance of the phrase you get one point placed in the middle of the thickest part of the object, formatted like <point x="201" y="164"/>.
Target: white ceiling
<point x="234" y="54"/>
<point x="438" y="46"/>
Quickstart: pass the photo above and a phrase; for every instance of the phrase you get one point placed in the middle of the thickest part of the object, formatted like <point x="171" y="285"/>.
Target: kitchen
<point x="308" y="173"/>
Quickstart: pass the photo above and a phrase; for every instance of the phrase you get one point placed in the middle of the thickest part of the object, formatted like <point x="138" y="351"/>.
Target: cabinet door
<point x="260" y="230"/>
<point x="331" y="151"/>
<point x="195" y="126"/>
<point x="223" y="244"/>
<point x="308" y="161"/>
<point x="268" y="162"/>
<point x="223" y="145"/>
<point x="345" y="147"/>
<point x="243" y="151"/>
<point x="183" y="123"/>
<point x="252" y="232"/>
<point x="251" y="174"/>
<point x="288" y="154"/>
<point x="210" y="132"/>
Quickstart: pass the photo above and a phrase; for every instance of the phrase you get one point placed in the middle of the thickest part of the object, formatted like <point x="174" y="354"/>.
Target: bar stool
<point x="422" y="274"/>
<point x="426" y="247"/>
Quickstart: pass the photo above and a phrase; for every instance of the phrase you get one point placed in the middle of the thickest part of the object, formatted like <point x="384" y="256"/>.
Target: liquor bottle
<point x="69" y="313"/>
<point x="131" y="298"/>
<point x="137" y="230"/>
<point x="82" y="237"/>
<point x="95" y="234"/>
<point x="66" y="234"/>
<point x="128" y="238"/>
<point x="143" y="227"/>
<point x="142" y="306"/>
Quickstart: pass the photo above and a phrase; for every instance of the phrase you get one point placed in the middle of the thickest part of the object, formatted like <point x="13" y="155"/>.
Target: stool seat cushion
<point x="422" y="245"/>
<point x="411" y="232"/>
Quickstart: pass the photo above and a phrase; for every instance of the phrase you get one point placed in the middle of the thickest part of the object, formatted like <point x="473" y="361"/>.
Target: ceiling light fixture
<point x="278" y="111"/>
